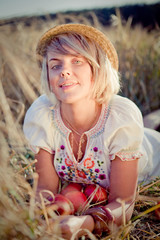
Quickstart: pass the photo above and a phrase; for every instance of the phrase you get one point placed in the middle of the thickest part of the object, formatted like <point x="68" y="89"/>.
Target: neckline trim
<point x="95" y="131"/>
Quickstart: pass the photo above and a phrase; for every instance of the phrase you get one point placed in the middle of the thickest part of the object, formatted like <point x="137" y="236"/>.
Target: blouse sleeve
<point x="38" y="124"/>
<point x="125" y="130"/>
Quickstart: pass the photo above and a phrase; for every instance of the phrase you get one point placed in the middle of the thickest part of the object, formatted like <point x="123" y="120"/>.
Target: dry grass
<point x="139" y="54"/>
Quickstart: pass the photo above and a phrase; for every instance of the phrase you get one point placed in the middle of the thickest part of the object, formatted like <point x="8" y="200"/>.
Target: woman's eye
<point x="78" y="61"/>
<point x="55" y="67"/>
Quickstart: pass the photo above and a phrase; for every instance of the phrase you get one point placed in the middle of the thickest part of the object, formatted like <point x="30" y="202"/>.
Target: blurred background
<point x="134" y="28"/>
<point x="16" y="8"/>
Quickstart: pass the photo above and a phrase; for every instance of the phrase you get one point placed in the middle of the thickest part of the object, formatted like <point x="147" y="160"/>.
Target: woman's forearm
<point x="121" y="211"/>
<point x="88" y="222"/>
<point x="75" y="224"/>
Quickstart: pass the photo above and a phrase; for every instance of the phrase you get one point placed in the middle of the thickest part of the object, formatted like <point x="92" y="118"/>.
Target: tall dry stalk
<point x="139" y="57"/>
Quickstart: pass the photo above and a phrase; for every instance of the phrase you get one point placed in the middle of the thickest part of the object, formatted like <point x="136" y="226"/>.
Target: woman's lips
<point x="68" y="85"/>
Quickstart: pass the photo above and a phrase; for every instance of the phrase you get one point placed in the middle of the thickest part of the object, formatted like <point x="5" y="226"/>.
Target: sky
<point x="18" y="8"/>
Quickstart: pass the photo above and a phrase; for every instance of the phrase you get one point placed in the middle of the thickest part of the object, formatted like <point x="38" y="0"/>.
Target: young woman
<point x="82" y="131"/>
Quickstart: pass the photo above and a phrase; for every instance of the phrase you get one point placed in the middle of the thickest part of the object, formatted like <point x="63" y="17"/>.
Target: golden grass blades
<point x="16" y="68"/>
<point x="19" y="212"/>
<point x="139" y="57"/>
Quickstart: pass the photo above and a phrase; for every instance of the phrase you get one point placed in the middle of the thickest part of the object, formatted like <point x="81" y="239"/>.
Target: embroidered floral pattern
<point x="95" y="149"/>
<point x="89" y="170"/>
<point x="81" y="174"/>
<point x="62" y="147"/>
<point x="88" y="163"/>
<point x="68" y="162"/>
<point x="102" y="176"/>
<point x="92" y="168"/>
<point x="61" y="174"/>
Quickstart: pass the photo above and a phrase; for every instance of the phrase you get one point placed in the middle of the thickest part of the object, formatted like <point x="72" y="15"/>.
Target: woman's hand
<point x="102" y="217"/>
<point x="71" y="224"/>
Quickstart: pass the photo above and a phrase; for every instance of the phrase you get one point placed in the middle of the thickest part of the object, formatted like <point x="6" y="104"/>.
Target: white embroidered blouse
<point x="118" y="132"/>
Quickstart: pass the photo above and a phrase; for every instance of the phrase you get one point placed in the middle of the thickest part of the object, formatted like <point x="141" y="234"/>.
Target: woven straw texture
<point x="87" y="31"/>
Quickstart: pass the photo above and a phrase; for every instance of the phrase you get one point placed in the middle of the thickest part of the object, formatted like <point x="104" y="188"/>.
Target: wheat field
<point x="139" y="61"/>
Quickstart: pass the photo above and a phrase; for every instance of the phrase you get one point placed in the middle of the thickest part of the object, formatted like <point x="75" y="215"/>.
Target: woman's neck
<point x="80" y="117"/>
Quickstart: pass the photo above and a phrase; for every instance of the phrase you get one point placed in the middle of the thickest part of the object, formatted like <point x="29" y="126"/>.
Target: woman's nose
<point x="65" y="74"/>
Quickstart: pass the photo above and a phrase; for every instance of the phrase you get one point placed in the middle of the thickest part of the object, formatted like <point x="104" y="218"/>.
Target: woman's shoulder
<point x="41" y="102"/>
<point x="124" y="129"/>
<point x="39" y="111"/>
<point x="122" y="106"/>
<point x="123" y="102"/>
<point x="37" y="125"/>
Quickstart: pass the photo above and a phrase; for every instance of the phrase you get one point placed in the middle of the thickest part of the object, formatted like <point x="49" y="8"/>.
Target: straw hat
<point x="87" y="31"/>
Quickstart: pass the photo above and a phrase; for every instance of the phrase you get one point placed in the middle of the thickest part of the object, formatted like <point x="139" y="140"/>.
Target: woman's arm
<point x="48" y="178"/>
<point x="71" y="224"/>
<point x="123" y="184"/>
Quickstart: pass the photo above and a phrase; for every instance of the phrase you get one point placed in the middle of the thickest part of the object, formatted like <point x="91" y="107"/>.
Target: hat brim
<point x="85" y="30"/>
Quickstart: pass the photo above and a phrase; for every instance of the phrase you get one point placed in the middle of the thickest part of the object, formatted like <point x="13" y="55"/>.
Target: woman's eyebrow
<point x="54" y="59"/>
<point x="73" y="55"/>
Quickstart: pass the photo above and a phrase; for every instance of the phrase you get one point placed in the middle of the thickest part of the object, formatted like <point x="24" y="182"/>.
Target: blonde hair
<point x="106" y="78"/>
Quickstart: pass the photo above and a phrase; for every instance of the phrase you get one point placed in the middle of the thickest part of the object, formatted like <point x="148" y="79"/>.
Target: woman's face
<point x="70" y="76"/>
